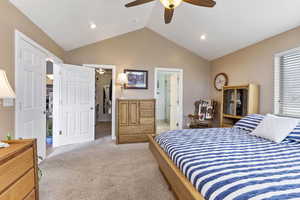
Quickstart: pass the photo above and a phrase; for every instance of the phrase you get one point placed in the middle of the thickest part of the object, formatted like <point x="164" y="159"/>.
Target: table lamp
<point x="6" y="92"/>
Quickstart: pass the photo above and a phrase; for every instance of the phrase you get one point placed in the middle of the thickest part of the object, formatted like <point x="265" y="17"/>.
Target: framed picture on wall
<point x="137" y="79"/>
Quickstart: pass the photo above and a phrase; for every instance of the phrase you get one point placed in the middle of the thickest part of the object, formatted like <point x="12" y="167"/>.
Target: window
<point x="287" y="83"/>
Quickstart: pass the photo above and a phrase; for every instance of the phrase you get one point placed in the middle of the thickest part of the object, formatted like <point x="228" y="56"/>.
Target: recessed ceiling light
<point x="93" y="26"/>
<point x="203" y="37"/>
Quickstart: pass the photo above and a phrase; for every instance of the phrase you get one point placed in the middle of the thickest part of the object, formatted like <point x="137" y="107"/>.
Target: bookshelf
<point x="237" y="102"/>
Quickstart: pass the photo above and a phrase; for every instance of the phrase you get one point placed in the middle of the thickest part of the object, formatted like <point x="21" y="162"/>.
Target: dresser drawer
<point x="147" y="121"/>
<point x="132" y="138"/>
<point x="31" y="196"/>
<point x="147" y="105"/>
<point x="15" y="168"/>
<point x="20" y="189"/>
<point x="146" y="113"/>
<point x="134" y="130"/>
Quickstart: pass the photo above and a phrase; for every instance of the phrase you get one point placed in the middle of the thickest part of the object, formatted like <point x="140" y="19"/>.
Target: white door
<point x="174" y="102"/>
<point x="161" y="96"/>
<point x="76" y="107"/>
<point x="31" y="94"/>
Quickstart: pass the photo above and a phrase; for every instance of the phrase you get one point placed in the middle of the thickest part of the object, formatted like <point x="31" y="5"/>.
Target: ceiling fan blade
<point x="168" y="15"/>
<point x="137" y="3"/>
<point x="205" y="3"/>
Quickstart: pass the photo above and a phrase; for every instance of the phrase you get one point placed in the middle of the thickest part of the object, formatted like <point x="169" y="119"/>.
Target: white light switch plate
<point x="8" y="102"/>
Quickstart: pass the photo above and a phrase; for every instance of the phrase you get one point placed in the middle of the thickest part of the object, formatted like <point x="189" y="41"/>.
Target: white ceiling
<point x="229" y="26"/>
<point x="68" y="21"/>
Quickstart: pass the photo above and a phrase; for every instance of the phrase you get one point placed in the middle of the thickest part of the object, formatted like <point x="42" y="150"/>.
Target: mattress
<point x="230" y="164"/>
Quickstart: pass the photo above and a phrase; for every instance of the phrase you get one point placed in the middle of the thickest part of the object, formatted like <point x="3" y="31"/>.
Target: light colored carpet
<point x="102" y="170"/>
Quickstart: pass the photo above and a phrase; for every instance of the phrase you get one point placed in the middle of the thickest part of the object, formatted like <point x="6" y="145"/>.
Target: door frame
<point x="50" y="56"/>
<point x="177" y="70"/>
<point x="56" y="115"/>
<point x="113" y="111"/>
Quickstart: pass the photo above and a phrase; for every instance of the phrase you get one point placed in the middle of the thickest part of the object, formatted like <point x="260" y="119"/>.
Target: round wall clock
<point x="221" y="80"/>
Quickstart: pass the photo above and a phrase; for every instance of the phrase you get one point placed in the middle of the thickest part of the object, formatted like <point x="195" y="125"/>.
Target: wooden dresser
<point x="18" y="171"/>
<point x="136" y="119"/>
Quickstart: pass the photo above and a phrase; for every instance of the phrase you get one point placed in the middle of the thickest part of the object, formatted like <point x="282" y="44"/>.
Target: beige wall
<point x="11" y="19"/>
<point x="255" y="64"/>
<point x="145" y="49"/>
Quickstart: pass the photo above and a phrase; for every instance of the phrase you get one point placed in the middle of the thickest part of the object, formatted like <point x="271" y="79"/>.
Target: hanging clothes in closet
<point x="107" y="99"/>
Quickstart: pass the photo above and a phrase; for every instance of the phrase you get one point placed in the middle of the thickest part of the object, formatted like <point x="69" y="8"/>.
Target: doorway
<point x="49" y="106"/>
<point x="106" y="122"/>
<point x="54" y="104"/>
<point x="168" y="94"/>
<point x="103" y="103"/>
<point x="30" y="87"/>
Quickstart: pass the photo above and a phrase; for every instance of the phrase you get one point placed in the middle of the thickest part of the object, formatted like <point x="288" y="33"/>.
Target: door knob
<point x="92" y="108"/>
<point x="44" y="112"/>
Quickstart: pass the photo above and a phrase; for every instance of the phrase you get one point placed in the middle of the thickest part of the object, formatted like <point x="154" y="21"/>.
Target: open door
<point x="174" y="102"/>
<point x="75" y="88"/>
<point x="31" y="94"/>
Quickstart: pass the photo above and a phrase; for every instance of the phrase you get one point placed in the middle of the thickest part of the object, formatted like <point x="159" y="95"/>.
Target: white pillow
<point x="275" y="128"/>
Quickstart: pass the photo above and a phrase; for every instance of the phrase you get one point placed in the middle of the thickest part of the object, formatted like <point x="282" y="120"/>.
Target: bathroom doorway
<point x="168" y="94"/>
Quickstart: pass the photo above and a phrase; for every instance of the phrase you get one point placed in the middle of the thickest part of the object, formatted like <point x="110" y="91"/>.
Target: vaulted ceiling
<point x="229" y="26"/>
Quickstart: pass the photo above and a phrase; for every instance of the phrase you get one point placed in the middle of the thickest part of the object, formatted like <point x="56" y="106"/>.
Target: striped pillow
<point x="250" y="122"/>
<point x="295" y="134"/>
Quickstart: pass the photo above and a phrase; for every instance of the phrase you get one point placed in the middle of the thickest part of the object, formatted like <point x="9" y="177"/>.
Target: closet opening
<point x="49" y="106"/>
<point x="103" y="103"/>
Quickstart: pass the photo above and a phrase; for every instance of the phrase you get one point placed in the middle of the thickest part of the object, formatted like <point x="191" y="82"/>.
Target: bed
<point x="227" y="163"/>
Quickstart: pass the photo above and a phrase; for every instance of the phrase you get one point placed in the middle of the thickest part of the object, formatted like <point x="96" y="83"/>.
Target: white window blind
<point x="287" y="84"/>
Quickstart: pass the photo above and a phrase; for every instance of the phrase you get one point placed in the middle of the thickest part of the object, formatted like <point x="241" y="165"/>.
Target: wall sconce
<point x="122" y="80"/>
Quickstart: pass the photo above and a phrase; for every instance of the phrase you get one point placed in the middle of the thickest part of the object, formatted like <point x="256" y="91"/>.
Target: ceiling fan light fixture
<point x="170" y="4"/>
<point x="101" y="71"/>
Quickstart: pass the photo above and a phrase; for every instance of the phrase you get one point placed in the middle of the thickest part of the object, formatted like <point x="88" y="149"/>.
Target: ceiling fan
<point x="170" y="5"/>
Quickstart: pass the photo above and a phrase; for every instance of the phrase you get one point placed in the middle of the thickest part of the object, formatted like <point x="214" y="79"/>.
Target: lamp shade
<point x="122" y="78"/>
<point x="5" y="89"/>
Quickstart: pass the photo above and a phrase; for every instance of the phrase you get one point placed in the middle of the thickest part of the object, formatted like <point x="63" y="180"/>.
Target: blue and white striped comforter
<point x="228" y="163"/>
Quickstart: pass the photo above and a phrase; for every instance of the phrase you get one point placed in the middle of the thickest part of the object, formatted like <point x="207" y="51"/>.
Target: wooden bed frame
<point x="182" y="188"/>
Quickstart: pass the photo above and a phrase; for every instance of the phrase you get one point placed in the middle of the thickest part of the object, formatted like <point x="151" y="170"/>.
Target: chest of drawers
<point x="18" y="171"/>
<point x="136" y="120"/>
